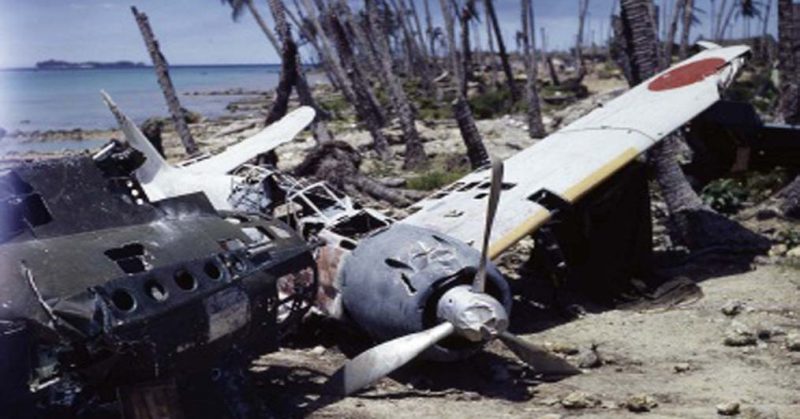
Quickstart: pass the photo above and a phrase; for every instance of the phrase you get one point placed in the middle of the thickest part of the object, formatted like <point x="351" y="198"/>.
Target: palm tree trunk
<point x="429" y="29"/>
<point x="693" y="224"/>
<point x="672" y="29"/>
<point x="501" y="48"/>
<point x="162" y="72"/>
<point x="415" y="153"/>
<point x="688" y="14"/>
<point x="362" y="42"/>
<point x="263" y="25"/>
<point x="327" y="53"/>
<point x="548" y="61"/>
<point x="535" y="125"/>
<point x="583" y="9"/>
<point x="789" y="62"/>
<point x="465" y="17"/>
<point x="476" y="151"/>
<point x="364" y="104"/>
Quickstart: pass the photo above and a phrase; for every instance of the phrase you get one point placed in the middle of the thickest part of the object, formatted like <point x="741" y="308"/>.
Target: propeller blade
<point x="379" y="361"/>
<point x="494" y="197"/>
<point x="538" y="358"/>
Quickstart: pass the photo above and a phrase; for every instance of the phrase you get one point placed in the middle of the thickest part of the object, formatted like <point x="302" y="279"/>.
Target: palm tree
<point x="415" y="153"/>
<point x="693" y="223"/>
<point x="789" y="65"/>
<point x="535" y="125"/>
<point x="789" y="55"/>
<point x="583" y="9"/>
<point x="501" y="49"/>
<point x="364" y="101"/>
<point x="476" y="151"/>
<point x="292" y="75"/>
<point x="237" y="10"/>
<point x="672" y="29"/>
<point x="689" y="19"/>
<point x="162" y="72"/>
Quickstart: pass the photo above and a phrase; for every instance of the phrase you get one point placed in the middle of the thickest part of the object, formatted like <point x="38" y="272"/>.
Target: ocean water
<point x="66" y="99"/>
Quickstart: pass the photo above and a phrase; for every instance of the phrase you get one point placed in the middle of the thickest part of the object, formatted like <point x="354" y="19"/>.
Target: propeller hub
<point x="476" y="316"/>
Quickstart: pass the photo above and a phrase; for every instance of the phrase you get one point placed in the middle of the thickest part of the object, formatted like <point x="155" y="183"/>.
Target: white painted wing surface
<point x="278" y="133"/>
<point x="572" y="161"/>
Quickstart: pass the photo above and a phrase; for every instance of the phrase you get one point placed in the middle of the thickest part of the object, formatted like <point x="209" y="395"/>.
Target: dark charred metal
<point x="112" y="290"/>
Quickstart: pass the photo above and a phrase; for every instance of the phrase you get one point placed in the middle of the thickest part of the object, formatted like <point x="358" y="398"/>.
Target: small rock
<point x="564" y="348"/>
<point x="393" y="182"/>
<point x="757" y="412"/>
<point x="551" y="416"/>
<point x="728" y="409"/>
<point x="793" y="342"/>
<point x="794" y="252"/>
<point x="779" y="249"/>
<point x="641" y="403"/>
<point x="682" y="367"/>
<point x="732" y="308"/>
<point x="589" y="359"/>
<point x="318" y="350"/>
<point x="740" y="336"/>
<point x="579" y="400"/>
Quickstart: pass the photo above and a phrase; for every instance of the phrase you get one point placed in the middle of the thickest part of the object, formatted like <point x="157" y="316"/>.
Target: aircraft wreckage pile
<point x="124" y="277"/>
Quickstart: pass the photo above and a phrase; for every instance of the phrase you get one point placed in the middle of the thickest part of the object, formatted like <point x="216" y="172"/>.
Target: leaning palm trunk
<point x="292" y="76"/>
<point x="672" y="29"/>
<point x="693" y="223"/>
<point x="367" y="112"/>
<point x="583" y="9"/>
<point x="476" y="151"/>
<point x="415" y="153"/>
<point x="788" y="41"/>
<point x="501" y="48"/>
<point x="688" y="17"/>
<point x="789" y="67"/>
<point x="535" y="125"/>
<point x="162" y="72"/>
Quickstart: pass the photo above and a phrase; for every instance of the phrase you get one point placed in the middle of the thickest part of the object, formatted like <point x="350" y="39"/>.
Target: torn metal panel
<point x="118" y="289"/>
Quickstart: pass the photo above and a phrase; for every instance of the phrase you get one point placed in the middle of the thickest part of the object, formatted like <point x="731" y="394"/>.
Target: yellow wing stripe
<point x="577" y="191"/>
<point x="572" y="194"/>
<point x="516" y="234"/>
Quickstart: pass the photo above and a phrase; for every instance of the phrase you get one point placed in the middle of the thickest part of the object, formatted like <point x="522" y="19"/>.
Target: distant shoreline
<point x="146" y="66"/>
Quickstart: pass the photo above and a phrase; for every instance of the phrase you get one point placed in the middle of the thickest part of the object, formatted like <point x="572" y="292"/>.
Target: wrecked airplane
<point x="107" y="291"/>
<point x="423" y="285"/>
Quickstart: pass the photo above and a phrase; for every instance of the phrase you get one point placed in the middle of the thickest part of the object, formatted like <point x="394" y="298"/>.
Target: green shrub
<point x="434" y="179"/>
<point x="491" y="103"/>
<point x="725" y="195"/>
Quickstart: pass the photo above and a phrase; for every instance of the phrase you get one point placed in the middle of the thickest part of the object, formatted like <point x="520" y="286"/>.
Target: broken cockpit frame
<point x="321" y="215"/>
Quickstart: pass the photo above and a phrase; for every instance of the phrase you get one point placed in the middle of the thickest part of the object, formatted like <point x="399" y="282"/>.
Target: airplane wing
<point x="269" y="138"/>
<point x="572" y="161"/>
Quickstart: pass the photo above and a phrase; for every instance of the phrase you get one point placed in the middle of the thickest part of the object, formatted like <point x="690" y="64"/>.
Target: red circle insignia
<point x="687" y="74"/>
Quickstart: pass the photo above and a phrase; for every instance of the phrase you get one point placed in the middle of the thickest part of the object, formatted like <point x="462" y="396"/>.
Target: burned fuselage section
<point x="115" y="290"/>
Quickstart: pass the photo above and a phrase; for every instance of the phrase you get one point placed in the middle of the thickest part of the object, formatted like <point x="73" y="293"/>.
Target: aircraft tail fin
<point x="154" y="162"/>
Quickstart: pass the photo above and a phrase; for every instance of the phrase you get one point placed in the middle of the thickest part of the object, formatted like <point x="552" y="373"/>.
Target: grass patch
<point x="434" y="179"/>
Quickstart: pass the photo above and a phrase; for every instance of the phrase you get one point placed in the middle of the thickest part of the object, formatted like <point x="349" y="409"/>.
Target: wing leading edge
<point x="572" y="161"/>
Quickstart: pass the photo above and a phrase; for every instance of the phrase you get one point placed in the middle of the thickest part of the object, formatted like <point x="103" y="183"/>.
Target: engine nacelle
<point x="393" y="280"/>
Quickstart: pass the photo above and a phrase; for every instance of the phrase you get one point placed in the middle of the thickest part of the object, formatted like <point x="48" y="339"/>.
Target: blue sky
<point x="201" y="31"/>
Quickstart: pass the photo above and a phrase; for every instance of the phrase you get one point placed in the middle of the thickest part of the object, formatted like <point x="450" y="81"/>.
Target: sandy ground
<point x="673" y="358"/>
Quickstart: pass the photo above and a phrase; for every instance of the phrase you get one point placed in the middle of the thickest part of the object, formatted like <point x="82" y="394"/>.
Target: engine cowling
<point x="394" y="279"/>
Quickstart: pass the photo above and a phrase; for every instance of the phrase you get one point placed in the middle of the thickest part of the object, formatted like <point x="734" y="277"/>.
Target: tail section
<point x="154" y="163"/>
<point x="276" y="134"/>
